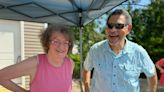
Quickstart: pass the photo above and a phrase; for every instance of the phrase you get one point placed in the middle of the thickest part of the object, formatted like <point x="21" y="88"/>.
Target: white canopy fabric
<point x="68" y="12"/>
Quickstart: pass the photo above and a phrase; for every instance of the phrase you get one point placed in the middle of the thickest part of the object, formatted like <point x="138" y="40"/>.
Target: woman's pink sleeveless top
<point x="52" y="79"/>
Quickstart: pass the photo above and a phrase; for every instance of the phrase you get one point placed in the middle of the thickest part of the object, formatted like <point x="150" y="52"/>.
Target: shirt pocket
<point x="130" y="72"/>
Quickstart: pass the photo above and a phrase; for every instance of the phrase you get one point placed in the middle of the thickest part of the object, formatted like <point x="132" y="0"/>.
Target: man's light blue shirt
<point x="118" y="73"/>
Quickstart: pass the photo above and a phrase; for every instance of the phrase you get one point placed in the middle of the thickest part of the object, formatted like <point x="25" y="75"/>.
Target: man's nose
<point x="112" y="29"/>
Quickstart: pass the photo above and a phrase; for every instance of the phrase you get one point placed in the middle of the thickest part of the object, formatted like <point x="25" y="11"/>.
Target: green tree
<point x="148" y="29"/>
<point x="89" y="37"/>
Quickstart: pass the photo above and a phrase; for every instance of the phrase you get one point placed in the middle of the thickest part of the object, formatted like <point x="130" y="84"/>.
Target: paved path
<point x="76" y="87"/>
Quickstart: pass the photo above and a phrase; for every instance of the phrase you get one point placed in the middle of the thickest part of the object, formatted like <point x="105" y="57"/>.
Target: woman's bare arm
<point x="25" y="67"/>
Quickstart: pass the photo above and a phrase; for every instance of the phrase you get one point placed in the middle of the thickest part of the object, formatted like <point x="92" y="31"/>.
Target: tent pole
<point x="81" y="49"/>
<point x="81" y="58"/>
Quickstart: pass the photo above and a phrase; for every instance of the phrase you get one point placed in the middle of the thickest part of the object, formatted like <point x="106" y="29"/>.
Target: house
<point x="19" y="40"/>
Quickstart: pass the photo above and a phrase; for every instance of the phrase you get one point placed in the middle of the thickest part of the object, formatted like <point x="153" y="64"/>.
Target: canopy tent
<point x="67" y="12"/>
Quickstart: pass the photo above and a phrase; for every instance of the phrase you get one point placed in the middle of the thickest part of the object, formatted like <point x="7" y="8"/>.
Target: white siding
<point x="32" y="45"/>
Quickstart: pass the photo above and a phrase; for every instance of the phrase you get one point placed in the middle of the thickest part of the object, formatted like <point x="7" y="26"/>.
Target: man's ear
<point x="129" y="27"/>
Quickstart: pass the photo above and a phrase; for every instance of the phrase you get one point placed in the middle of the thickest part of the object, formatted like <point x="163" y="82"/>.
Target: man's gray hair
<point x="121" y="12"/>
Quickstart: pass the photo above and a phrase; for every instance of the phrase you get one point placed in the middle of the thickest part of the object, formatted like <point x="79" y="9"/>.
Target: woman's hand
<point x="162" y="70"/>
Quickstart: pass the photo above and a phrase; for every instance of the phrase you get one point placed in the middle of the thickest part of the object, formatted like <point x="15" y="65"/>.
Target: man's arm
<point x="86" y="80"/>
<point x="152" y="83"/>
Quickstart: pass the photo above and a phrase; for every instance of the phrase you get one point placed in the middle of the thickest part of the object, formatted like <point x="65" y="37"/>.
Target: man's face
<point x="117" y="29"/>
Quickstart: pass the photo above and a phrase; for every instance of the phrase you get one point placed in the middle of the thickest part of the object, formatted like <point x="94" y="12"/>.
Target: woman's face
<point x="59" y="45"/>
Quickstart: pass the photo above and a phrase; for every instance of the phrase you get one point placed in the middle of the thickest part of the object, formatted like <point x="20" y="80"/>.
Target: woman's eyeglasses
<point x="117" y="25"/>
<point x="58" y="43"/>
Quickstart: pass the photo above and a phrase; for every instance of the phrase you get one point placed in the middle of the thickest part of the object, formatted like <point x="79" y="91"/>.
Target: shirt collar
<point x="106" y="47"/>
<point x="126" y="49"/>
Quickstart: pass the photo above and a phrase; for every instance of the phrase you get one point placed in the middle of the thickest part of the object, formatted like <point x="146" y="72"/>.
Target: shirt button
<point x="114" y="75"/>
<point x="114" y="66"/>
<point x="113" y="83"/>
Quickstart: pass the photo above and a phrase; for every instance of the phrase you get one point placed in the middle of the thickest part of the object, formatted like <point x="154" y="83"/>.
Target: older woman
<point x="49" y="72"/>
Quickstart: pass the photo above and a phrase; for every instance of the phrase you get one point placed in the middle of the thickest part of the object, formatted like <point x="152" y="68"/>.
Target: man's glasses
<point x="58" y="43"/>
<point x="117" y="25"/>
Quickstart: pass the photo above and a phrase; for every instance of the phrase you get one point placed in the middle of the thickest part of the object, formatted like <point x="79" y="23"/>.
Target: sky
<point x="145" y="2"/>
<point x="101" y="21"/>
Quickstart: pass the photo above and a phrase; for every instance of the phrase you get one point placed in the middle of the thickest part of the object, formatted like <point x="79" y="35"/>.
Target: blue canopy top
<point x="68" y="12"/>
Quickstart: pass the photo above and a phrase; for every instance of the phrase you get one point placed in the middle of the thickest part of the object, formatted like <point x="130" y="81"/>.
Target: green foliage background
<point x="148" y="29"/>
<point x="89" y="38"/>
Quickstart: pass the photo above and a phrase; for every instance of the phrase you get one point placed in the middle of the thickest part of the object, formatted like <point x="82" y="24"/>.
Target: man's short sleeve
<point x="148" y="66"/>
<point x="88" y="63"/>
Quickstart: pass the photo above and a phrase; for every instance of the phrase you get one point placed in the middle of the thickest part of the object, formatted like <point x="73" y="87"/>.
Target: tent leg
<point x="81" y="58"/>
